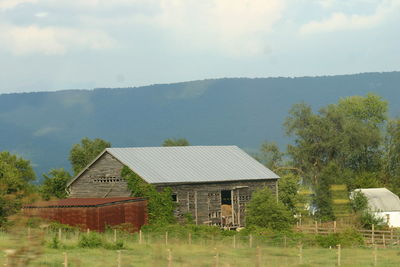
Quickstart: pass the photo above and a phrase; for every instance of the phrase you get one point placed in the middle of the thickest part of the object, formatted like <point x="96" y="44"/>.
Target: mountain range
<point x="42" y="126"/>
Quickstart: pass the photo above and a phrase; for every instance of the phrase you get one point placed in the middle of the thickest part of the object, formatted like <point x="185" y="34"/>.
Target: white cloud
<point x="51" y="40"/>
<point x="10" y="4"/>
<point x="234" y="26"/>
<point x="340" y="21"/>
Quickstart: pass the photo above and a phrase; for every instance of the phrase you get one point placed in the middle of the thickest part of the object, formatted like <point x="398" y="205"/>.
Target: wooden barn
<point x="212" y="183"/>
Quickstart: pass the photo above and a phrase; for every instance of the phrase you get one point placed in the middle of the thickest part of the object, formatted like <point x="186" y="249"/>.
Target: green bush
<point x="350" y="237"/>
<point x="117" y="245"/>
<point x="367" y="219"/>
<point x="91" y="240"/>
<point x="55" y="243"/>
<point x="265" y="211"/>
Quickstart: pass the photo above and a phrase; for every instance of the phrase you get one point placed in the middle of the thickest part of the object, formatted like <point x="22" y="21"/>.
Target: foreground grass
<point x="155" y="252"/>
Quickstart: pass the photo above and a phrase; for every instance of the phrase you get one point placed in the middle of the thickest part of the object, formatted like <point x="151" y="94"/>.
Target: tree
<point x="16" y="175"/>
<point x="391" y="169"/>
<point x="176" y="142"/>
<point x="289" y="186"/>
<point x="264" y="210"/>
<point x="85" y="152"/>
<point x="54" y="184"/>
<point x="270" y="155"/>
<point x="348" y="133"/>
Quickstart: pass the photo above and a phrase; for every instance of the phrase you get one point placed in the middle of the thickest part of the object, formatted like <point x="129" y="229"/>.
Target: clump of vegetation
<point x="91" y="240"/>
<point x="54" y="184"/>
<point x="160" y="206"/>
<point x="350" y="237"/>
<point x="55" y="243"/>
<point x="264" y="210"/>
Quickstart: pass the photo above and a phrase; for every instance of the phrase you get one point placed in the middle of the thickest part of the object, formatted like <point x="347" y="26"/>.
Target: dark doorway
<point x="226" y="197"/>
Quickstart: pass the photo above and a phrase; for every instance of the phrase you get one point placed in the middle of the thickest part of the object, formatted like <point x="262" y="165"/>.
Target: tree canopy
<point x="85" y="152"/>
<point x="176" y="142"/>
<point x="54" y="184"/>
<point x="16" y="175"/>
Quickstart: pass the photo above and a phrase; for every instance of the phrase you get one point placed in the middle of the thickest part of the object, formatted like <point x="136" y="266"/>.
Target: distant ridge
<point x="42" y="126"/>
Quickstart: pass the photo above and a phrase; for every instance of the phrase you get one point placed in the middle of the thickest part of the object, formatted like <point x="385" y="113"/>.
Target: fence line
<point x="389" y="237"/>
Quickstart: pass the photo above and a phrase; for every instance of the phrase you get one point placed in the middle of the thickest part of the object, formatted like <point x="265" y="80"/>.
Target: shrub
<point x="367" y="219"/>
<point x="55" y="243"/>
<point x="91" y="240"/>
<point x="117" y="245"/>
<point x="350" y="237"/>
<point x="265" y="211"/>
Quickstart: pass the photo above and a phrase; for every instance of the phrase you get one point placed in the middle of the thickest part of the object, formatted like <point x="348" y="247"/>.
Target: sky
<point x="48" y="45"/>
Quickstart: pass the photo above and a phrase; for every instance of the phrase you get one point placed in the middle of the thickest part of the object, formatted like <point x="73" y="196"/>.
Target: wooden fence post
<point x="383" y="240"/>
<point x="258" y="260"/>
<point x="65" y="259"/>
<point x="119" y="258"/>
<point x="334" y="226"/>
<point x="391" y="236"/>
<point x="373" y="234"/>
<point x="166" y="238"/>
<point x="251" y="241"/>
<point x="339" y="252"/>
<point x="140" y="237"/>
<point x="316" y="227"/>
<point x="88" y="231"/>
<point x="301" y="254"/>
<point x="115" y="235"/>
<point x="169" y="258"/>
<point x="216" y="258"/>
<point x="59" y="234"/>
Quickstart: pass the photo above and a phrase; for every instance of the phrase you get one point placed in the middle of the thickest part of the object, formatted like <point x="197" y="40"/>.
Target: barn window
<point x="226" y="197"/>
<point x="174" y="197"/>
<point x="110" y="179"/>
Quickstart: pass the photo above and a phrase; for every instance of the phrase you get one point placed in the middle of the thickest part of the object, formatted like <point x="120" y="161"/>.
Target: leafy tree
<point x="270" y="155"/>
<point x="160" y="206"/>
<point x="54" y="184"/>
<point x="264" y="210"/>
<point x="85" y="152"/>
<point x="391" y="168"/>
<point x="176" y="142"/>
<point x="16" y="174"/>
<point x="289" y="186"/>
<point x="358" y="201"/>
<point x="348" y="133"/>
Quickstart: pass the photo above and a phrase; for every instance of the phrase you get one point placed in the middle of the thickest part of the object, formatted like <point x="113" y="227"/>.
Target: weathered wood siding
<point x="203" y="200"/>
<point x="102" y="179"/>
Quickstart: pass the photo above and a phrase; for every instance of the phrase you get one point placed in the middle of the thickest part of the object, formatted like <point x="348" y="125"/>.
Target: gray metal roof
<point x="381" y="199"/>
<point x="191" y="164"/>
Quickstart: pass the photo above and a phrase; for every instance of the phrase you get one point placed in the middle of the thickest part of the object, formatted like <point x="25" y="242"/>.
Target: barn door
<point x="240" y="196"/>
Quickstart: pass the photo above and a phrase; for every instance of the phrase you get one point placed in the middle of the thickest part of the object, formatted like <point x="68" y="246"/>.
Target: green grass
<point x="203" y="252"/>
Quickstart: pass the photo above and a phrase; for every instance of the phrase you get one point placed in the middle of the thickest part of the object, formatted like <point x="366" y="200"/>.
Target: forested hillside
<point x="43" y="126"/>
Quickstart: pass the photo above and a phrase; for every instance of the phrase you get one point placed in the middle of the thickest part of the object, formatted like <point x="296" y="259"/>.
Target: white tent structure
<point x="383" y="203"/>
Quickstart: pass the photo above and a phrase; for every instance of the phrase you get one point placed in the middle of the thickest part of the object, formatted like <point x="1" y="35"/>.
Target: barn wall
<point x="94" y="218"/>
<point x="203" y="201"/>
<point x="102" y="179"/>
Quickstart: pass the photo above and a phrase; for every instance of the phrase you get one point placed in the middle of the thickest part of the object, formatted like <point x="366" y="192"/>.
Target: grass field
<point x="178" y="252"/>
